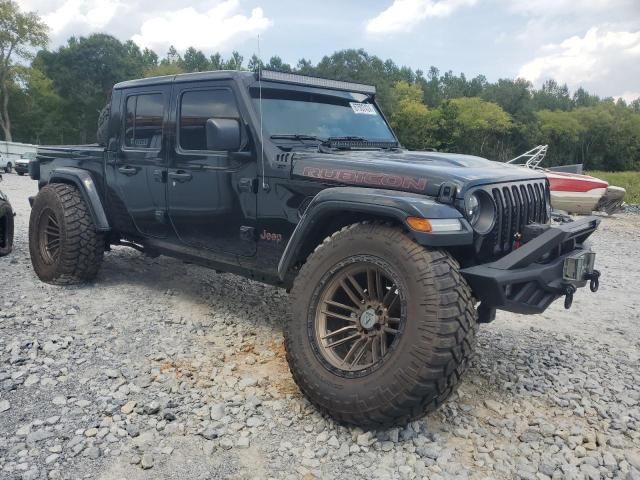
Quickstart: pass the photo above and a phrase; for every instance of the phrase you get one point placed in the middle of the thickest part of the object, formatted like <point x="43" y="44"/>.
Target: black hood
<point x="421" y="172"/>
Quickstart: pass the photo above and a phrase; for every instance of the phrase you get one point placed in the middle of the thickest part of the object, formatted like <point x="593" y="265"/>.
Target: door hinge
<point x="160" y="175"/>
<point x="161" y="215"/>
<point x="248" y="185"/>
<point x="247" y="234"/>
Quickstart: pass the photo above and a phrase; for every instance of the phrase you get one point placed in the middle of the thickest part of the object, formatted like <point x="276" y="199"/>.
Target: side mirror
<point x="223" y="134"/>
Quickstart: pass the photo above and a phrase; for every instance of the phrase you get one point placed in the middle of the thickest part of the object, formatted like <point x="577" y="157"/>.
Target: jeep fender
<point x="382" y="203"/>
<point x="81" y="179"/>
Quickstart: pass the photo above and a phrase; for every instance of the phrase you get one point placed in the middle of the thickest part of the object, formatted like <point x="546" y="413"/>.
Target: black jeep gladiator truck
<point x="391" y="257"/>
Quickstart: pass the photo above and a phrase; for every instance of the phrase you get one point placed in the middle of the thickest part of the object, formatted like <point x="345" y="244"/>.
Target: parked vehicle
<point x="6" y="224"/>
<point x="571" y="191"/>
<point x="22" y="164"/>
<point x="5" y="163"/>
<point x="391" y="257"/>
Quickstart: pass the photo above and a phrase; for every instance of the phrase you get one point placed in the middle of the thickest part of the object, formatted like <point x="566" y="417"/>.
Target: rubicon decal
<point x="366" y="178"/>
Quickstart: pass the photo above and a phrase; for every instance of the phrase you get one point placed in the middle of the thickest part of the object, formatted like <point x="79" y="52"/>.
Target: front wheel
<point x="7" y="169"/>
<point x="380" y="329"/>
<point x="64" y="245"/>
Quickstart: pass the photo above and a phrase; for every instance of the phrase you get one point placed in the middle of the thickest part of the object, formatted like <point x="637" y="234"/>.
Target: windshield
<point x="288" y="112"/>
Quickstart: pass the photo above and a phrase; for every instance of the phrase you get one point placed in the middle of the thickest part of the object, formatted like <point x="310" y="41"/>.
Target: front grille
<point x="517" y="204"/>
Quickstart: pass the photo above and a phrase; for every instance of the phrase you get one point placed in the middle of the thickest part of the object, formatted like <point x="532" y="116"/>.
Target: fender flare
<point x="380" y="202"/>
<point x="83" y="181"/>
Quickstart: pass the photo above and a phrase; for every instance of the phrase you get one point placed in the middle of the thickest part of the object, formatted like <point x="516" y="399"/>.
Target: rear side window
<point x="196" y="107"/>
<point x="143" y="121"/>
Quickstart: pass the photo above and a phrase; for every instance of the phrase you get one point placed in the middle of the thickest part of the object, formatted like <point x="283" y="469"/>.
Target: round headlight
<point x="472" y="209"/>
<point x="480" y="211"/>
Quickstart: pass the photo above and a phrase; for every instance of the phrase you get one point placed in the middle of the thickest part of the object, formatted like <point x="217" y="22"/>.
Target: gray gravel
<point x="165" y="370"/>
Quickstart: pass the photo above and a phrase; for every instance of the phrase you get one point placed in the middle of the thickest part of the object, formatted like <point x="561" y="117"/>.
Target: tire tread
<point x="437" y="371"/>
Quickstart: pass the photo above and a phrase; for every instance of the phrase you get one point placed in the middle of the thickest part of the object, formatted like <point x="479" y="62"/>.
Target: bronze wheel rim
<point x="359" y="318"/>
<point x="49" y="236"/>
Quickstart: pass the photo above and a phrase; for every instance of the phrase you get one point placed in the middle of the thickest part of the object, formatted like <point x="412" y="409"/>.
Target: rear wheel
<point x="6" y="228"/>
<point x="64" y="245"/>
<point x="380" y="329"/>
<point x="7" y="168"/>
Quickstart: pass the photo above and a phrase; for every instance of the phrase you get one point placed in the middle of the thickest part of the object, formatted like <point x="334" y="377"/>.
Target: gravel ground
<point x="162" y="369"/>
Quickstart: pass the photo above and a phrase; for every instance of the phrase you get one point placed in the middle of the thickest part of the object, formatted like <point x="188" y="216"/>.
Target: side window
<point x="143" y="121"/>
<point x="198" y="106"/>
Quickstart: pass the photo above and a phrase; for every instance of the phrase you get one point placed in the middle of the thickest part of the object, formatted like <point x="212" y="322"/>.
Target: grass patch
<point x="630" y="181"/>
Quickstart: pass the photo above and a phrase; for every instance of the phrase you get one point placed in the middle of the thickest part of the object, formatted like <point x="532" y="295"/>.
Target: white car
<point x="22" y="164"/>
<point x="5" y="163"/>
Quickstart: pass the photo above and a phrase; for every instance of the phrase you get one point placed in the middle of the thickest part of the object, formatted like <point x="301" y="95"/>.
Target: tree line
<point x="55" y="96"/>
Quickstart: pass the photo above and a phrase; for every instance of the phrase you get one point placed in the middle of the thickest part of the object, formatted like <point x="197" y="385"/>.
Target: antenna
<point x="265" y="185"/>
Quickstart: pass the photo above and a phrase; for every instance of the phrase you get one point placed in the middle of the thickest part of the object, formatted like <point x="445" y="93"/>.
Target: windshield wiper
<point x="295" y="136"/>
<point x="349" y="138"/>
<point x="353" y="141"/>
<point x="345" y="142"/>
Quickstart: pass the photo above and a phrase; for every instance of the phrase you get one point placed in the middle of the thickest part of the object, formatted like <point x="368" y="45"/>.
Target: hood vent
<point x="283" y="160"/>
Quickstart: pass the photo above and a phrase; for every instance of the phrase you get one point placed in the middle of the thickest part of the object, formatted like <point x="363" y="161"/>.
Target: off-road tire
<point x="6" y="228"/>
<point x="81" y="246"/>
<point x="433" y="352"/>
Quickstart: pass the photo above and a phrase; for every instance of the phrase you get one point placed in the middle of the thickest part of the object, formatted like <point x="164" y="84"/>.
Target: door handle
<point x="180" y="176"/>
<point x="127" y="170"/>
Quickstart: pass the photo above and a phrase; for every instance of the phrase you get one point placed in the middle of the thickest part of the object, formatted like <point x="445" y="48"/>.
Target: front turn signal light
<point x="424" y="225"/>
<point x="419" y="224"/>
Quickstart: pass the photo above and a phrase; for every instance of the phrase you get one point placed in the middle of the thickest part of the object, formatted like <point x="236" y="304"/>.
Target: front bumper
<point x="21" y="168"/>
<point x="530" y="278"/>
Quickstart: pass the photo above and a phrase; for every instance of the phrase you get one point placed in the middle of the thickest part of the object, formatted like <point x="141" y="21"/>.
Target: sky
<point x="590" y="43"/>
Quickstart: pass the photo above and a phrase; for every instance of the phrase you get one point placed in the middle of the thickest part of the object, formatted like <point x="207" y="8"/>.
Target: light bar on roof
<point x="316" y="82"/>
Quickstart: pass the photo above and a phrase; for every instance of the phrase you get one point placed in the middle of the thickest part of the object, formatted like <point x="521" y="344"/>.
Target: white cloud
<point x="548" y="8"/>
<point x="95" y="14"/>
<point x="207" y="30"/>
<point x="403" y="15"/>
<point x="629" y="96"/>
<point x="604" y="60"/>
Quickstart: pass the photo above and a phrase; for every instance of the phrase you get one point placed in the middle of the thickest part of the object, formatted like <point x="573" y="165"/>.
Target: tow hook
<point x="569" y="290"/>
<point x="594" y="280"/>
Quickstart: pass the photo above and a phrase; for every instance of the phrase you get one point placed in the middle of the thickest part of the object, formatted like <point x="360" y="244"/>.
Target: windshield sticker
<point x="363" y="108"/>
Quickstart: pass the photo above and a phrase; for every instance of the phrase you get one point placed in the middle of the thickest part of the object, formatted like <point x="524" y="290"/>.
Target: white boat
<point x="573" y="192"/>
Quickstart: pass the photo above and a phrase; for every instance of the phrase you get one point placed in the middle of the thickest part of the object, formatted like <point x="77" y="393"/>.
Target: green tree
<point x="276" y="63"/>
<point x="163" y="69"/>
<point x="19" y="34"/>
<point x="552" y="96"/>
<point x="255" y="64"/>
<point x="235" y="62"/>
<point x="561" y="131"/>
<point x="216" y="62"/>
<point x="83" y="73"/>
<point x="37" y="112"/>
<point x="480" y="127"/>
<point x="194" y="61"/>
<point x="415" y="125"/>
